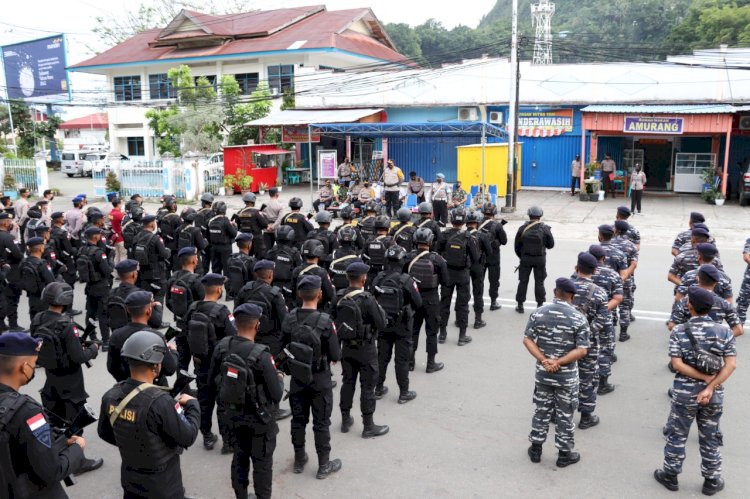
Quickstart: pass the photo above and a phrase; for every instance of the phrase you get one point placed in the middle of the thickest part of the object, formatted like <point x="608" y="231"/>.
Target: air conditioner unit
<point x="745" y="122"/>
<point x="496" y="117"/>
<point x="467" y="114"/>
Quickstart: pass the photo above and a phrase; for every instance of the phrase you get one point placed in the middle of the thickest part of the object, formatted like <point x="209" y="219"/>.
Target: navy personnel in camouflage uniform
<point x="743" y="299"/>
<point x="688" y="259"/>
<point x="697" y="395"/>
<point x="721" y="310"/>
<point x="623" y="213"/>
<point x="707" y="253"/>
<point x="557" y="335"/>
<point x="591" y="301"/>
<point x="621" y="242"/>
<point x="685" y="236"/>
<point x="611" y="282"/>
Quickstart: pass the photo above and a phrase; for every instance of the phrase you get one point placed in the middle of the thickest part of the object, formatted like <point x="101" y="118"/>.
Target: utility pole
<point x="512" y="113"/>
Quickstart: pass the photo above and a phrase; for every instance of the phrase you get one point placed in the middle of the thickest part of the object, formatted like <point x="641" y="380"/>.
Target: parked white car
<point x="72" y="162"/>
<point x="96" y="162"/>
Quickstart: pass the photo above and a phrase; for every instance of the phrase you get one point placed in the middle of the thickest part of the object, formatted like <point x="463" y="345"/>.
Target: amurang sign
<point x="653" y="125"/>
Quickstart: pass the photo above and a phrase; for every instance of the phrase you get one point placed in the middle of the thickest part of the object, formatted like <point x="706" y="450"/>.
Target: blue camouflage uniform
<point x="631" y="253"/>
<point x="682" y="241"/>
<point x="717" y="339"/>
<point x="591" y="301"/>
<point x="743" y="299"/>
<point x="722" y="311"/>
<point x="611" y="282"/>
<point x="557" y="328"/>
<point x="687" y="261"/>
<point x="723" y="286"/>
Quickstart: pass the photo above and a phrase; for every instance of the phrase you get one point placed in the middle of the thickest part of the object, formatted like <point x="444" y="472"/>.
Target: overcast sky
<point x="76" y="18"/>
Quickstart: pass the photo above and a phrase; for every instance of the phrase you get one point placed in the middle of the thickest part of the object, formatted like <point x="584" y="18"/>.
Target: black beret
<point x="126" y="266"/>
<point x="249" y="309"/>
<point x="357" y="269"/>
<point x="697" y="217"/>
<point x="187" y="251"/>
<point x="606" y="229"/>
<point x="5" y="215"/>
<point x="213" y="279"/>
<point x="598" y="251"/>
<point x="41" y="229"/>
<point x="243" y="236"/>
<point x="701" y="225"/>
<point x="587" y="260"/>
<point x="622" y="226"/>
<point x="92" y="231"/>
<point x="700" y="297"/>
<point x="309" y="282"/>
<point x="700" y="232"/>
<point x="34" y="241"/>
<point x="710" y="271"/>
<point x="566" y="285"/>
<point x="707" y="249"/>
<point x="147" y="219"/>
<point x="138" y="298"/>
<point x="57" y="214"/>
<point x="17" y="344"/>
<point x="624" y="211"/>
<point x="263" y="265"/>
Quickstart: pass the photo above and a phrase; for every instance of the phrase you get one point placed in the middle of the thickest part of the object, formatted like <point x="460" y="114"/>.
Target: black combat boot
<point x="372" y="430"/>
<point x="380" y="391"/>
<point x="324" y="470"/>
<point x="624" y="336"/>
<point x="519" y="307"/>
<point x="240" y="493"/>
<point x="300" y="460"/>
<point x="535" y="453"/>
<point x="567" y="458"/>
<point x="432" y="366"/>
<point x="283" y="414"/>
<point x="346" y="422"/>
<point x="209" y="440"/>
<point x="406" y="396"/>
<point x="478" y="322"/>
<point x="226" y="448"/>
<point x="495" y="305"/>
<point x="90" y="465"/>
<point x="463" y="339"/>
<point x="667" y="479"/>
<point x="712" y="485"/>
<point x="588" y="420"/>
<point x="604" y="386"/>
<point x="443" y="334"/>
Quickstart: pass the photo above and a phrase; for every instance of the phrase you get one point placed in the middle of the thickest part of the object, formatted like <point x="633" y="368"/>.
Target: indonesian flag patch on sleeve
<point x="40" y="429"/>
<point x="232" y="372"/>
<point x="231" y="317"/>
<point x="178" y="408"/>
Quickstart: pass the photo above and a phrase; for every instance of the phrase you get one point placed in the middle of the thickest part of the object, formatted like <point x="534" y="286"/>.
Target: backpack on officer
<point x="85" y="265"/>
<point x="201" y="330"/>
<point x="52" y="352"/>
<point x="117" y="311"/>
<point x="349" y="323"/>
<point x="237" y="387"/>
<point x="305" y="345"/>
<point x="180" y="294"/>
<point x="389" y="291"/>
<point x="456" y="249"/>
<point x="141" y="249"/>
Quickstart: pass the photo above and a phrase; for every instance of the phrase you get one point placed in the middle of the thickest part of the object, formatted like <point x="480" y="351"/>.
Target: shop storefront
<point x="674" y="144"/>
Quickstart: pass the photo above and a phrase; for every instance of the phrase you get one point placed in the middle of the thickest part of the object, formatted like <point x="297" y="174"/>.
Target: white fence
<point x="24" y="173"/>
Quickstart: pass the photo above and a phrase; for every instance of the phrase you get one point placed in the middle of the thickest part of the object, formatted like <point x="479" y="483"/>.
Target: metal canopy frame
<point x="457" y="128"/>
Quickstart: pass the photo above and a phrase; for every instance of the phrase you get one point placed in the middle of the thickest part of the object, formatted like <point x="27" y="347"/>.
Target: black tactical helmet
<point x="57" y="293"/>
<point x="489" y="209"/>
<point x="324" y="217"/>
<point x="188" y="214"/>
<point x="167" y="200"/>
<point x="220" y="207"/>
<point x="347" y="235"/>
<point x="403" y="214"/>
<point x="382" y="222"/>
<point x="284" y="233"/>
<point x="92" y="214"/>
<point x="144" y="346"/>
<point x="313" y="248"/>
<point x="458" y="216"/>
<point x="130" y="205"/>
<point x="474" y="216"/>
<point x="207" y="197"/>
<point x="423" y="235"/>
<point x="371" y="206"/>
<point x="425" y="208"/>
<point x="136" y="214"/>
<point x="248" y="197"/>
<point x="535" y="212"/>
<point x="347" y="212"/>
<point x="36" y="212"/>
<point x="295" y="203"/>
<point x="395" y="253"/>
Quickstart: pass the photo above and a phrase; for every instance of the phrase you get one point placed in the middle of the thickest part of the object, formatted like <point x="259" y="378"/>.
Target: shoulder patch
<point x="231" y="317"/>
<point x="40" y="429"/>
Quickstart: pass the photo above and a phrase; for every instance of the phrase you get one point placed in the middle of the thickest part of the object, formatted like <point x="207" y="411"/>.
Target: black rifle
<point x="184" y="379"/>
<point x="84" y="418"/>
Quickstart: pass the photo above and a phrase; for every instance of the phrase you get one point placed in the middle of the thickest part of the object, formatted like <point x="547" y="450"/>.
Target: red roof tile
<point x="96" y="120"/>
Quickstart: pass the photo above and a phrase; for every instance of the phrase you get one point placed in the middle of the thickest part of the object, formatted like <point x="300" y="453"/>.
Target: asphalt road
<point x="466" y="433"/>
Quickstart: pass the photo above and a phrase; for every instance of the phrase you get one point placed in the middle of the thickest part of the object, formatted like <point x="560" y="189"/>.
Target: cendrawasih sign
<point x="545" y="123"/>
<point x="653" y="125"/>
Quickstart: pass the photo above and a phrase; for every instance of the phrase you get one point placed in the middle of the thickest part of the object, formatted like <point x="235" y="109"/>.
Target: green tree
<point x="258" y="107"/>
<point x="710" y="23"/>
<point x="29" y="133"/>
<point x="406" y="40"/>
<point x="167" y="135"/>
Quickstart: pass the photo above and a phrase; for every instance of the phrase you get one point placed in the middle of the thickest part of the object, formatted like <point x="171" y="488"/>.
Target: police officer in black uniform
<point x="250" y="220"/>
<point x="98" y="282"/>
<point x="252" y="429"/>
<point x="190" y="235"/>
<point x="221" y="233"/>
<point x="202" y="217"/>
<point x="10" y="260"/>
<point x="403" y="232"/>
<point x="317" y="396"/>
<point x="366" y="223"/>
<point x="313" y="253"/>
<point x="240" y="265"/>
<point x="223" y="325"/>
<point x="533" y="239"/>
<point x="347" y="217"/>
<point x="429" y="271"/>
<point x="359" y="357"/>
<point x="35" y="275"/>
<point x="140" y="305"/>
<point x="287" y="257"/>
<point x="63" y="394"/>
<point x="460" y="252"/>
<point x="152" y="256"/>
<point x="426" y="220"/>
<point x="344" y="255"/>
<point x="64" y="250"/>
<point x="374" y="253"/>
<point x="477" y="269"/>
<point x="498" y="237"/>
<point x="297" y="221"/>
<point x="143" y="421"/>
<point x="132" y="226"/>
<point x="168" y="223"/>
<point x="117" y="317"/>
<point x="49" y="254"/>
<point x="397" y="336"/>
<point x="39" y="461"/>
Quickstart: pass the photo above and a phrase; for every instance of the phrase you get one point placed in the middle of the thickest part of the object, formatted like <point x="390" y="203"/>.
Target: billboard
<point x="35" y="70"/>
<point x="545" y="123"/>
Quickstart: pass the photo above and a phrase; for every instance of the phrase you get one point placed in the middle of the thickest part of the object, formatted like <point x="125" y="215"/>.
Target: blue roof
<point x="449" y="128"/>
<point x="662" y="109"/>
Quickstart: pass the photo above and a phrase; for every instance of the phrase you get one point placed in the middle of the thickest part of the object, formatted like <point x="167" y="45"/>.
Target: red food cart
<point x="262" y="161"/>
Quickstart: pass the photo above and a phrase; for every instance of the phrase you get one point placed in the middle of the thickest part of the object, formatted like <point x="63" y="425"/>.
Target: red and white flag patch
<point x="36" y="422"/>
<point x="178" y="408"/>
<point x="232" y="372"/>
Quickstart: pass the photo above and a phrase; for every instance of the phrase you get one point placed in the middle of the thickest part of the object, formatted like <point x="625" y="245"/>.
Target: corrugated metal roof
<point x="663" y="109"/>
<point x="305" y="116"/>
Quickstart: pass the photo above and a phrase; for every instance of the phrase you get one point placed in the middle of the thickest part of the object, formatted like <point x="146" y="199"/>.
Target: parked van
<point x="71" y="162"/>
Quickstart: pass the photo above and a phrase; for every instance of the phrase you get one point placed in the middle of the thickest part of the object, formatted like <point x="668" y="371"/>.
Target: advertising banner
<point x="653" y="125"/>
<point x="541" y="123"/>
<point x="327" y="163"/>
<point x="296" y="134"/>
<point x="35" y="70"/>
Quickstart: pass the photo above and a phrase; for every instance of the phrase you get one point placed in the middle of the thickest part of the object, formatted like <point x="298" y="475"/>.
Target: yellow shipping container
<point x="495" y="166"/>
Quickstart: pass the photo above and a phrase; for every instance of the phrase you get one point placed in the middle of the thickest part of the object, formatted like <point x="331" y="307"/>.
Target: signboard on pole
<point x="35" y="70"/>
<point x="297" y="134"/>
<point x="327" y="166"/>
<point x="653" y="125"/>
<point x="541" y="123"/>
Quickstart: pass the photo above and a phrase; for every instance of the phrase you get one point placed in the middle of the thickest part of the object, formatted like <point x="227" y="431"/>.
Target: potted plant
<point x="229" y="182"/>
<point x="279" y="185"/>
<point x="111" y="183"/>
<point x="262" y="188"/>
<point x="719" y="199"/>
<point x="244" y="181"/>
<point x="710" y="195"/>
<point x="9" y="187"/>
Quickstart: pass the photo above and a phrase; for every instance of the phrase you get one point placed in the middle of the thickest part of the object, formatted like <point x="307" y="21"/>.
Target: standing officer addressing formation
<point x="392" y="178"/>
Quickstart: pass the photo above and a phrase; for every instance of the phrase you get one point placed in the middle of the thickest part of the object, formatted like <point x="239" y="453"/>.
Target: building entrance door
<point x="657" y="162"/>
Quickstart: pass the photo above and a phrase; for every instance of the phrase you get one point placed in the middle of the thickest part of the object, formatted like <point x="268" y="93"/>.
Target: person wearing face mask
<point x="61" y="355"/>
<point x="146" y="425"/>
<point x="440" y="200"/>
<point x="637" y="182"/>
<point x="37" y="461"/>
